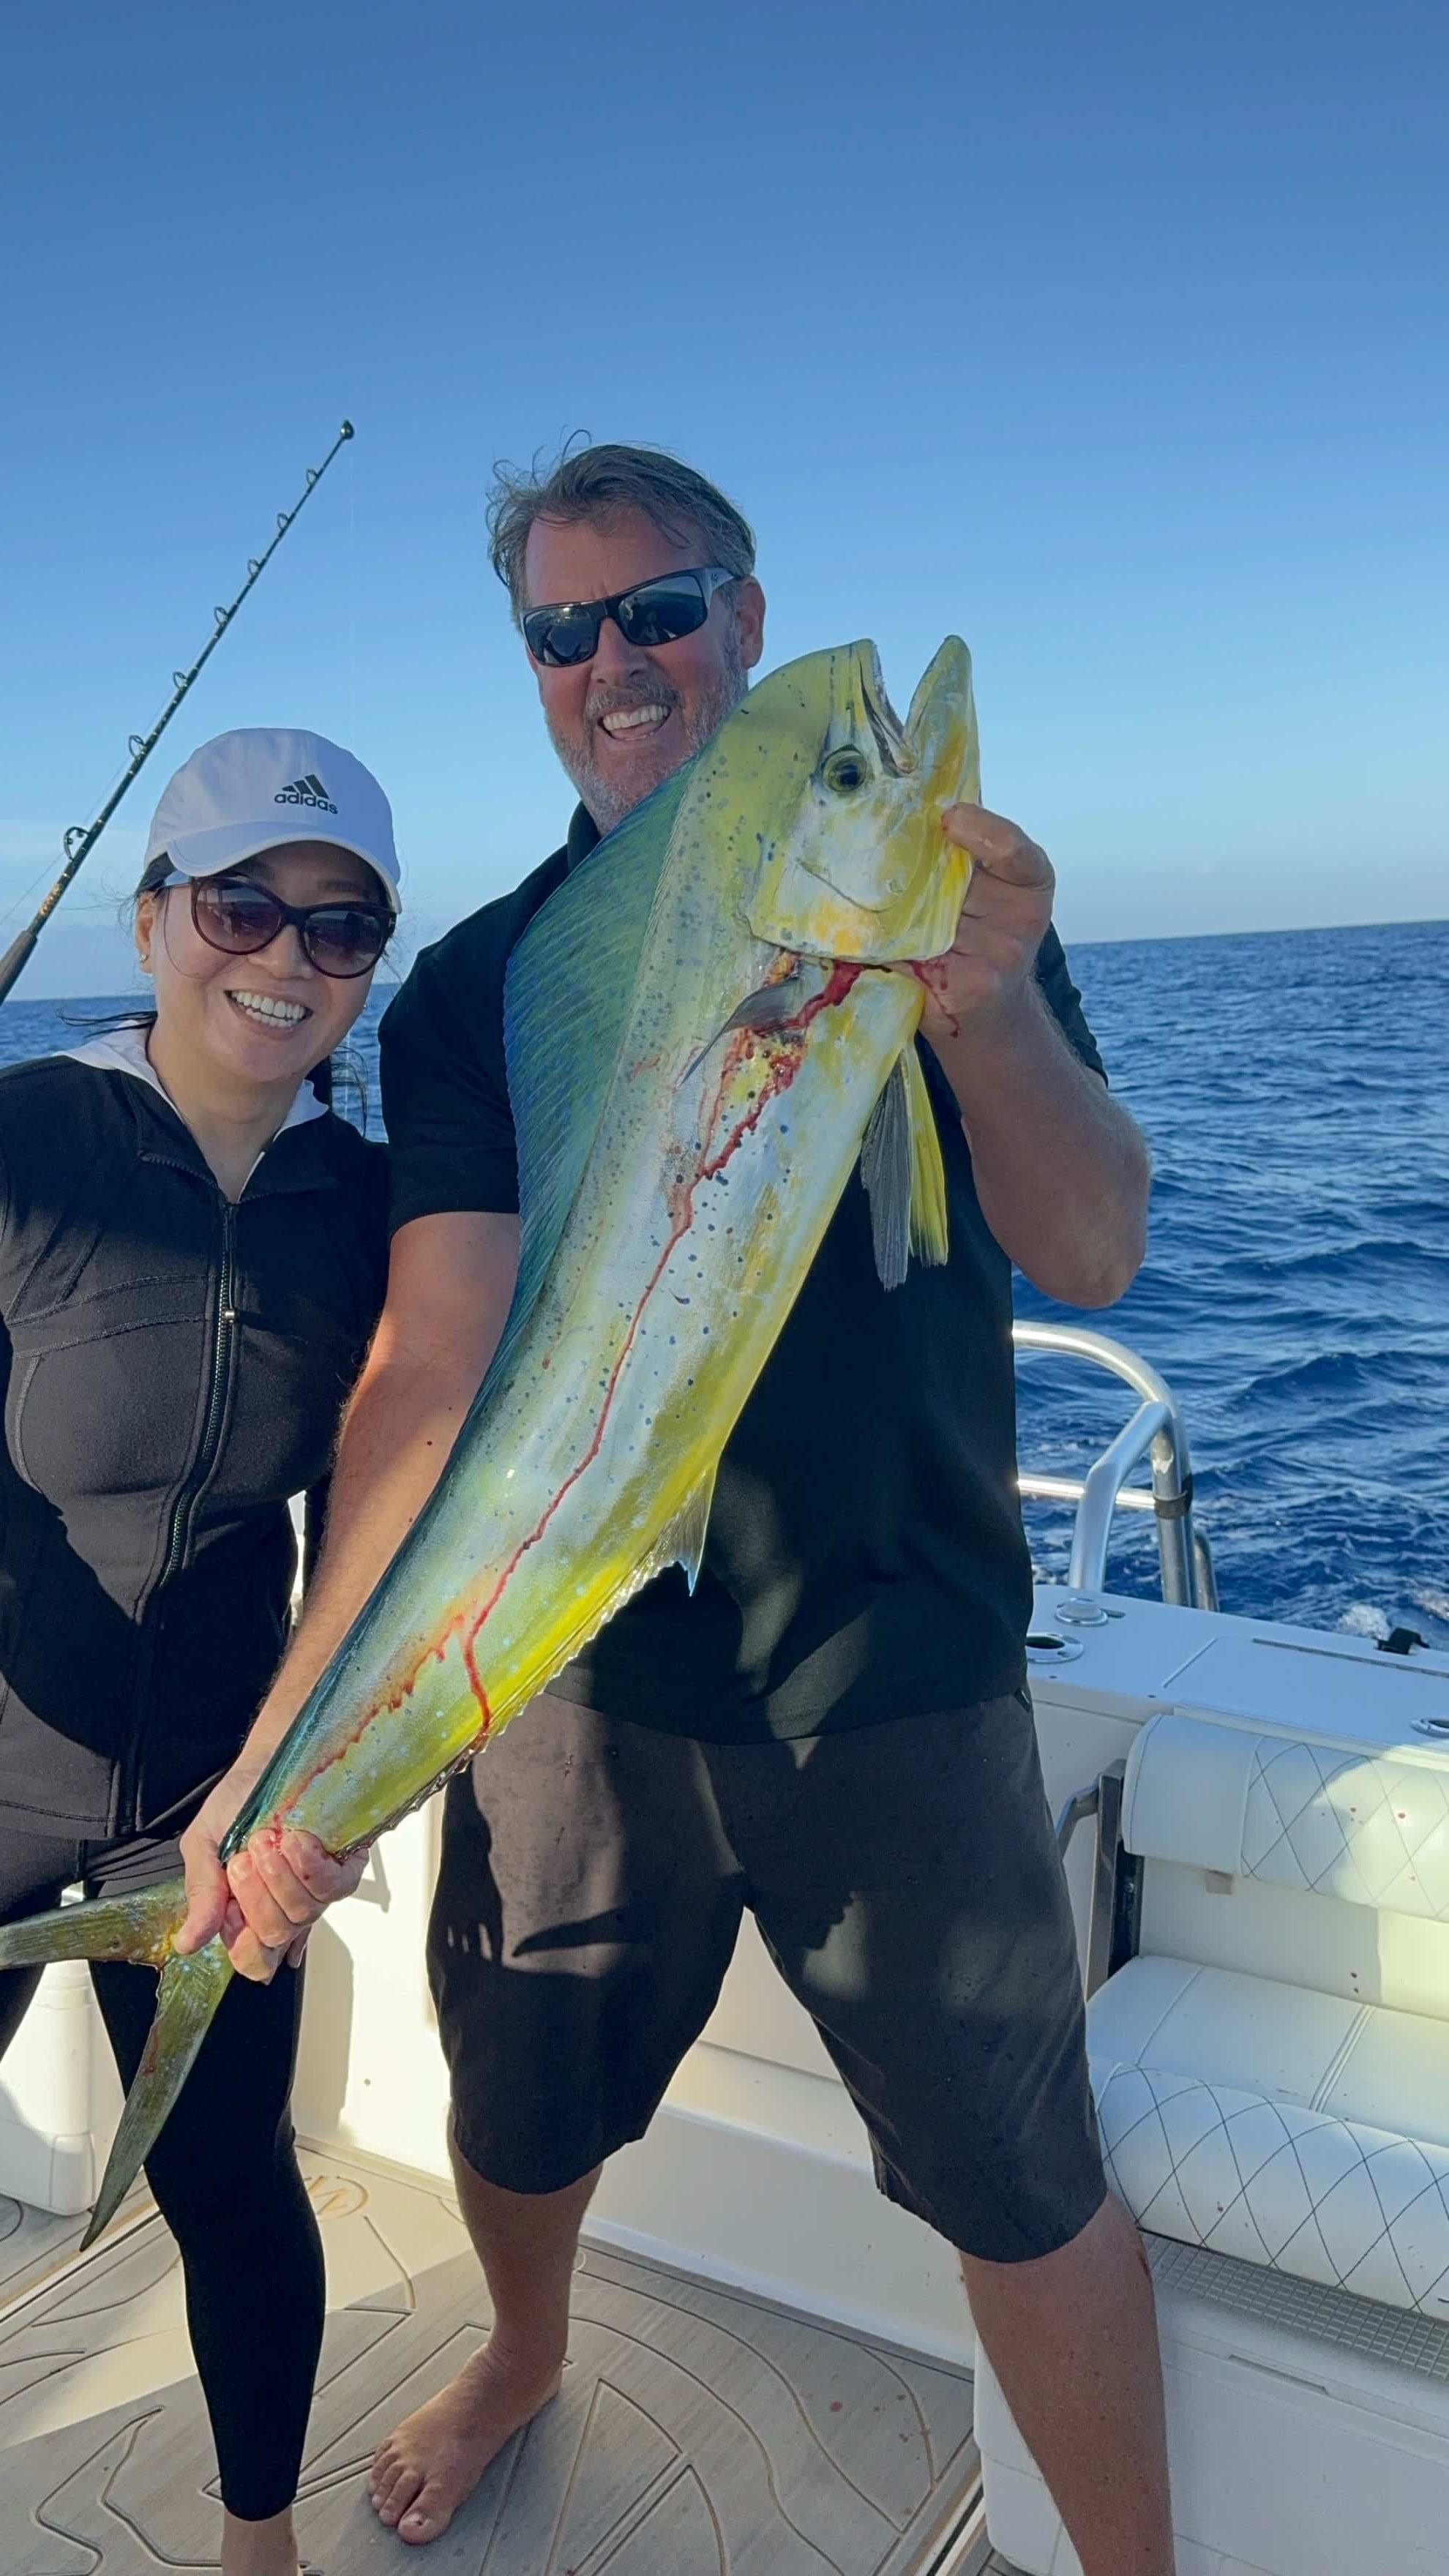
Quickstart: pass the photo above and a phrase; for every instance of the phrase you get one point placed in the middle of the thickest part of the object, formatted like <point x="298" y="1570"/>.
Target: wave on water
<point x="1294" y="1087"/>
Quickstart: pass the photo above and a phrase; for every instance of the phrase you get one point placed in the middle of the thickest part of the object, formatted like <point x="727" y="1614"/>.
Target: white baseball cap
<point x="258" y="788"/>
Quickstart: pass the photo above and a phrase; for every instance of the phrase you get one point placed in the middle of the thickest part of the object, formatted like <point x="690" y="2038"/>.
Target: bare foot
<point x="432" y="2463"/>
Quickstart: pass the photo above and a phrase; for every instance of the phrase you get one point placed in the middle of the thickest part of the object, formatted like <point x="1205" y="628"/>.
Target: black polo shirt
<point x="865" y="1557"/>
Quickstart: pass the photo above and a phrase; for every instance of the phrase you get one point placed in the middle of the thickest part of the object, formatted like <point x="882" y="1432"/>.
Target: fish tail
<point x="190" y="1990"/>
<point x="138" y="1929"/>
<point x="110" y="1927"/>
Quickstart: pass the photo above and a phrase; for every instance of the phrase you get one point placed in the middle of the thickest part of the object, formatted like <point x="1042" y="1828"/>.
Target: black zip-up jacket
<point x="175" y="1367"/>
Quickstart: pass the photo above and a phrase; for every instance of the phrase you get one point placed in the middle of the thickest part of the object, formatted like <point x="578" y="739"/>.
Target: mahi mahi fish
<point x="706" y="1028"/>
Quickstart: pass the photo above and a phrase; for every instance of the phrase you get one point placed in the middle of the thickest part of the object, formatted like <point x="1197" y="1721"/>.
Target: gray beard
<point x="604" y="797"/>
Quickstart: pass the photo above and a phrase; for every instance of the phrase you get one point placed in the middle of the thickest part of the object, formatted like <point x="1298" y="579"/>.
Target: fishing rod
<point x="80" y="840"/>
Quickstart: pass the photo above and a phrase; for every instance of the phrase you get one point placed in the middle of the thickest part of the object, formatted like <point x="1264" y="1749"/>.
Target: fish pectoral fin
<point x="930" y="1232"/>
<point x="904" y="1176"/>
<point x="773" y="1006"/>
<point x="683" y="1542"/>
<point x="187" y="1997"/>
<point x="885" y="1168"/>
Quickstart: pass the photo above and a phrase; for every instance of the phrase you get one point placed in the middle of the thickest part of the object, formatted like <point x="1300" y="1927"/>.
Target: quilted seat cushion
<point x="1366" y="1828"/>
<point x="1299" y="2131"/>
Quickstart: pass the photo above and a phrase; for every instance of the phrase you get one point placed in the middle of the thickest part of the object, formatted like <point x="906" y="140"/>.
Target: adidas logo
<point x="306" y="791"/>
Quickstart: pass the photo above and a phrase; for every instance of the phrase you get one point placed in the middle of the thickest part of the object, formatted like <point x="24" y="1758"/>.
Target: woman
<point x="192" y="1257"/>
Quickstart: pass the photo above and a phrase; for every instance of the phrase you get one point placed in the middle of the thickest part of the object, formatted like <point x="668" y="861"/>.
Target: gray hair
<point x="598" y="483"/>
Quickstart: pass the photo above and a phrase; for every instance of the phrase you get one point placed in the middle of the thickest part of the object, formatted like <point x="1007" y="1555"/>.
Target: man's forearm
<point x="450" y="1281"/>
<point x="396" y="1440"/>
<point x="1061" y="1170"/>
<point x="395" y="1443"/>
<point x="449" y="1288"/>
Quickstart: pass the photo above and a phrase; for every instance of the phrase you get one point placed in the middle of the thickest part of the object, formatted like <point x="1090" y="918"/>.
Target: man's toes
<point x="393" y="2499"/>
<point x="424" y="2521"/>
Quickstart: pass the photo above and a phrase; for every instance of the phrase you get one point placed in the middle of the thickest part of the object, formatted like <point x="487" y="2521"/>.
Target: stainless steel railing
<point x="1156" y="1432"/>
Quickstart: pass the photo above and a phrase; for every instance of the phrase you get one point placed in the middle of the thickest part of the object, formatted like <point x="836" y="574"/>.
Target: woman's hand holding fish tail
<point x="266" y="1899"/>
<point x="1061" y="1170"/>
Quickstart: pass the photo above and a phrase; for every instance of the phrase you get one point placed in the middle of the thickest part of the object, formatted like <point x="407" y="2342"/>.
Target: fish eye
<point x="845" y="771"/>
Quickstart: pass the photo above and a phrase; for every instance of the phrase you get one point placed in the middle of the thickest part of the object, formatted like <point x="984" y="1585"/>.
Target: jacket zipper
<point x="127" y="1813"/>
<point x="205" y="1458"/>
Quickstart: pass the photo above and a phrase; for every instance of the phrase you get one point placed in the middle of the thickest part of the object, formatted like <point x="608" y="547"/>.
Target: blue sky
<point x="1111" y="336"/>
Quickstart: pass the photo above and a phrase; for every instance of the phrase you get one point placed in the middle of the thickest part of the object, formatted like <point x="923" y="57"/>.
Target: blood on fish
<point x="839" y="983"/>
<point x="784" y="1067"/>
<point x="843" y="974"/>
<point x="476" y="1682"/>
<point x="921" y="968"/>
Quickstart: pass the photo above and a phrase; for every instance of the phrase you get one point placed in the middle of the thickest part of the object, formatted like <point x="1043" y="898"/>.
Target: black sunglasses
<point x="653" y="612"/>
<point x="238" y="916"/>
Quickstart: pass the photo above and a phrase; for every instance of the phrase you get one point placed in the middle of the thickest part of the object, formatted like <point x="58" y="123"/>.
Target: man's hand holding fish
<point x="1043" y="1133"/>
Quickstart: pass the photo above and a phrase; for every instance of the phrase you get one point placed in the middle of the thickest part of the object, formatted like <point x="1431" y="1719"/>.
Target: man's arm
<point x="1061" y="1170"/>
<point x="449" y="1285"/>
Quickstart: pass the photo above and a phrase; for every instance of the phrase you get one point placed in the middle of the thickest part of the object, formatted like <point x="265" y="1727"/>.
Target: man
<point x="834" y="1729"/>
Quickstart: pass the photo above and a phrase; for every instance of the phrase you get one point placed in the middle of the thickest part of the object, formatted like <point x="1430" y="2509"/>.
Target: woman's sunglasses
<point x="239" y="916"/>
<point x="653" y="612"/>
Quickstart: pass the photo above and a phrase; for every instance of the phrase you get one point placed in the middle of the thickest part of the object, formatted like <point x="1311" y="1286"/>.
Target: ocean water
<point x="1295" y="1091"/>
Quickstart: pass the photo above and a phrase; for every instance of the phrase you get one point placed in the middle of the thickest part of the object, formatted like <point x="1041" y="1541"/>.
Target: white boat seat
<point x="1298" y="2130"/>
<point x="1368" y="1828"/>
<point x="1284" y="2127"/>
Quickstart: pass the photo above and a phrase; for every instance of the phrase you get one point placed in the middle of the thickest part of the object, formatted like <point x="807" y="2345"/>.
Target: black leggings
<point x="224" y="2173"/>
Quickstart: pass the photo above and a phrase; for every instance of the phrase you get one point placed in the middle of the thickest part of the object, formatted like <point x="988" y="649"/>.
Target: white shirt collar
<point x="124" y="1051"/>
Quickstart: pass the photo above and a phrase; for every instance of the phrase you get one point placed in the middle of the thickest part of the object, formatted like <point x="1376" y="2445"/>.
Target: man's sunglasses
<point x="653" y="612"/>
<point x="238" y="916"/>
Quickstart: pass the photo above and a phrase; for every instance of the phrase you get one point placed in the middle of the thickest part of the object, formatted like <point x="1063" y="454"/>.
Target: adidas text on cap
<point x="257" y="789"/>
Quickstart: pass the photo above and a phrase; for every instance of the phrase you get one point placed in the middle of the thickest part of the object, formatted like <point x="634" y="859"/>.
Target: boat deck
<point x="700" y="2432"/>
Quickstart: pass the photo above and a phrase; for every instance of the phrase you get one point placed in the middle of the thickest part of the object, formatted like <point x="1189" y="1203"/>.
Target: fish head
<point x="846" y="805"/>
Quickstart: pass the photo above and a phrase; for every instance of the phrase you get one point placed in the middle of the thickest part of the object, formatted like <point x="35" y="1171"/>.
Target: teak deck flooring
<point x="699" y="2433"/>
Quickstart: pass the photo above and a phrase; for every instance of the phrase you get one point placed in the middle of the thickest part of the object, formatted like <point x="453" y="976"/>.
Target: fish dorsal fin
<point x="566" y="1000"/>
<point x="904" y="1176"/>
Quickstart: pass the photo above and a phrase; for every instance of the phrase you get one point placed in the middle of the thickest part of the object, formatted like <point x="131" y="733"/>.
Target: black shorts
<point x="906" y="1883"/>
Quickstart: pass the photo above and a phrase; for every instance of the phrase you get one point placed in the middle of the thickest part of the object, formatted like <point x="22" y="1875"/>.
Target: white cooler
<point x="59" y="2097"/>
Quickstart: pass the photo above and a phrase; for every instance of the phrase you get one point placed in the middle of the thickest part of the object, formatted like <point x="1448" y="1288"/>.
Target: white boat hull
<point x="1297" y="2450"/>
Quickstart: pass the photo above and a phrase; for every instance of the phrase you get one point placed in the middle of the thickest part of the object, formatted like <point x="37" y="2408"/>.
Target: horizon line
<point x="1139" y="939"/>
